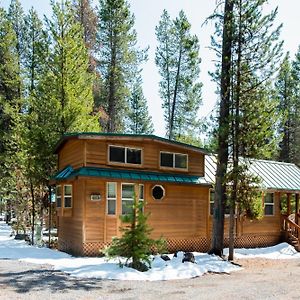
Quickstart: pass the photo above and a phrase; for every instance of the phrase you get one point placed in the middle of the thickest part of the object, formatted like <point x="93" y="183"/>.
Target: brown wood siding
<point x="71" y="154"/>
<point x="97" y="156"/>
<point x="94" y="211"/>
<point x="111" y="228"/>
<point x="181" y="214"/>
<point x="268" y="224"/>
<point x="70" y="228"/>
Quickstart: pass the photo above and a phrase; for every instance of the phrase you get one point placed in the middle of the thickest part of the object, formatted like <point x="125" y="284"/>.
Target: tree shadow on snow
<point x="45" y="279"/>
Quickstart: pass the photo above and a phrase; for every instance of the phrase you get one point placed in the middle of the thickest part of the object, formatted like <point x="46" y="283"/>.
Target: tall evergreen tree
<point x="138" y="119"/>
<point x="36" y="51"/>
<point x="223" y="130"/>
<point x="9" y="76"/>
<point x="68" y="84"/>
<point x="9" y="79"/>
<point x="252" y="112"/>
<point x="87" y="17"/>
<point x="296" y="78"/>
<point x="16" y="17"/>
<point x="177" y="57"/>
<point x="118" y="58"/>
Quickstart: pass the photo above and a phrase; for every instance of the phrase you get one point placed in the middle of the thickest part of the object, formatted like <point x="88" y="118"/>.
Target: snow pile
<point x="89" y="267"/>
<point x="280" y="251"/>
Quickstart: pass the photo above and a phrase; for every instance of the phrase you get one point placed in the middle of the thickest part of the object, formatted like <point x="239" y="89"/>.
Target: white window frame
<point x="111" y="198"/>
<point x="174" y="155"/>
<point x="269" y="204"/>
<point x="68" y="196"/>
<point x="164" y="192"/>
<point x="58" y="197"/>
<point x="125" y="155"/>
<point x="131" y="199"/>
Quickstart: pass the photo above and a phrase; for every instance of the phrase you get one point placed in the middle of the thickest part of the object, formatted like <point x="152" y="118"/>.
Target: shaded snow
<point x="90" y="267"/>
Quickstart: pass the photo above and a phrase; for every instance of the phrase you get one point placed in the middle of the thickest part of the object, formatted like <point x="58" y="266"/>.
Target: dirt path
<point x="260" y="279"/>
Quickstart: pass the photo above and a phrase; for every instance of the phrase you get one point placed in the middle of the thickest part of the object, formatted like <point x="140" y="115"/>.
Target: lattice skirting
<point x="255" y="240"/>
<point x="201" y="244"/>
<point x="94" y="249"/>
<point x="70" y="247"/>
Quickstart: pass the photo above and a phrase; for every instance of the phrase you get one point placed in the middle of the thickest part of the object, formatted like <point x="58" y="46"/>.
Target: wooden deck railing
<point x="292" y="229"/>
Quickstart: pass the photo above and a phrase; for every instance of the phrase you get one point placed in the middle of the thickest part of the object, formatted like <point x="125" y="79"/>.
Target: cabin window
<point x="111" y="198"/>
<point x="58" y="196"/>
<point x="125" y="155"/>
<point x="269" y="204"/>
<point x="68" y="196"/>
<point x="173" y="160"/>
<point x="158" y="192"/>
<point x="128" y="196"/>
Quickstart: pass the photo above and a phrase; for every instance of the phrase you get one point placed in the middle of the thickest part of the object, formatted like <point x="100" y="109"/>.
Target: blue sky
<point x="147" y="14"/>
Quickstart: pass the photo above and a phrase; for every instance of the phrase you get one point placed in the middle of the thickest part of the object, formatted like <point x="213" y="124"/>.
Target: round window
<point x="158" y="192"/>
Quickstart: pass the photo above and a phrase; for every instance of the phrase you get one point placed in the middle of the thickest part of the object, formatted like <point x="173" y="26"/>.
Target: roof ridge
<point x="261" y="160"/>
<point x="108" y="134"/>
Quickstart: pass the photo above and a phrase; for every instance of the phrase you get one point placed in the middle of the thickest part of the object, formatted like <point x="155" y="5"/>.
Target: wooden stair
<point x="291" y="232"/>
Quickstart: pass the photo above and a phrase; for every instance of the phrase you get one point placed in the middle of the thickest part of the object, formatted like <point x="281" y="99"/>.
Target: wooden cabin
<point x="280" y="186"/>
<point x="99" y="174"/>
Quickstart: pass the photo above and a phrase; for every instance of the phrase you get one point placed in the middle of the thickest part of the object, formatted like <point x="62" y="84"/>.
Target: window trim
<point x="125" y="157"/>
<point x="269" y="204"/>
<point x="164" y="192"/>
<point x="139" y="185"/>
<point x="68" y="196"/>
<point x="58" y="207"/>
<point x="174" y="155"/>
<point x="111" y="199"/>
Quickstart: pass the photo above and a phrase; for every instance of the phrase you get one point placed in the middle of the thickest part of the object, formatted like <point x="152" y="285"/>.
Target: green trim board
<point x="69" y="172"/>
<point x="86" y="135"/>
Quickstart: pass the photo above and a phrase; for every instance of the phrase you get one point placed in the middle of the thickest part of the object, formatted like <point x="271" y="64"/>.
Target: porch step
<point x="294" y="242"/>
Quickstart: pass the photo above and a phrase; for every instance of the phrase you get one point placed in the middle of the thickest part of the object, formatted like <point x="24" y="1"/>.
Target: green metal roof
<point x="274" y="175"/>
<point x="69" y="172"/>
<point x="86" y="135"/>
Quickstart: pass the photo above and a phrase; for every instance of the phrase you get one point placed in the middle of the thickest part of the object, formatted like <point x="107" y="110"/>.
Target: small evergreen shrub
<point x="135" y="243"/>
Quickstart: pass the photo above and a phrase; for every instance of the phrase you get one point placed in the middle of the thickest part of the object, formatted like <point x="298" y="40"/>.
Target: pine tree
<point x="16" y="17"/>
<point x="138" y="120"/>
<point x="135" y="243"/>
<point x="68" y="84"/>
<point x="118" y="58"/>
<point x="252" y="112"/>
<point x="296" y="78"/>
<point x="9" y="76"/>
<point x="177" y="57"/>
<point x="36" y="51"/>
<point x="223" y="130"/>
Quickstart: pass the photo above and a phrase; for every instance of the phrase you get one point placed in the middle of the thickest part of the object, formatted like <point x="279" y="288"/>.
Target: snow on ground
<point x="88" y="267"/>
<point x="280" y="251"/>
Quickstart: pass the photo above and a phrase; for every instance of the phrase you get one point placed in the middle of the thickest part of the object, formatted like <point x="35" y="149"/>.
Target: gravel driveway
<point x="260" y="279"/>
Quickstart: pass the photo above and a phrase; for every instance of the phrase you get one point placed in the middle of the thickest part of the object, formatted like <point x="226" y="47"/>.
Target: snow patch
<point x="91" y="267"/>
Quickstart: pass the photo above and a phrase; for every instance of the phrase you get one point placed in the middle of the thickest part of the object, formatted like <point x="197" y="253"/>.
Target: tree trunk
<point x="236" y="138"/>
<point x="171" y="129"/>
<point x="223" y="134"/>
<point x="33" y="212"/>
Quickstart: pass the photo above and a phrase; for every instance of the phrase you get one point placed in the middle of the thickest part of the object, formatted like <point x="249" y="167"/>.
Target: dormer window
<point x="173" y="160"/>
<point x="125" y="155"/>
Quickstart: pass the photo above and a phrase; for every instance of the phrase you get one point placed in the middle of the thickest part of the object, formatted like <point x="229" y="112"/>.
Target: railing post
<point x="297" y="208"/>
